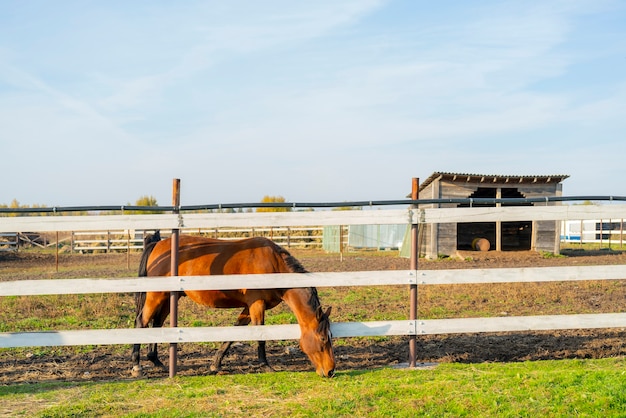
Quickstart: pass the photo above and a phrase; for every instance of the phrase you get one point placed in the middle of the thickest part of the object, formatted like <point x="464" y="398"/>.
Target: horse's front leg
<point x="257" y="317"/>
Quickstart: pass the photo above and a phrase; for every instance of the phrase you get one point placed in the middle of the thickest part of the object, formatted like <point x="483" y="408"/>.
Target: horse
<point x="207" y="256"/>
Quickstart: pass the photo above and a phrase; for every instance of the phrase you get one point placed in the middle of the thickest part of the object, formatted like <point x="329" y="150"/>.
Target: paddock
<point x="414" y="277"/>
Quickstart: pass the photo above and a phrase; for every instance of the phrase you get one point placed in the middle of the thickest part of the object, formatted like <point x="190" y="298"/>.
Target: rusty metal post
<point x="413" y="287"/>
<point x="174" y="272"/>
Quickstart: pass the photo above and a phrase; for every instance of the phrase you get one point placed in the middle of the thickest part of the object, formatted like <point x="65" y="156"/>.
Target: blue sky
<point x="102" y="102"/>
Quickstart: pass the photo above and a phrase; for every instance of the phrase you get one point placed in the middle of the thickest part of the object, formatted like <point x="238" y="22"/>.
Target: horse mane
<point x="296" y="267"/>
<point x="292" y="262"/>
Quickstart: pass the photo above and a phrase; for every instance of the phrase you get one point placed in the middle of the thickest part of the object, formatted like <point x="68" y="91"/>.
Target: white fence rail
<point x="279" y="332"/>
<point x="418" y="277"/>
<point x="313" y="219"/>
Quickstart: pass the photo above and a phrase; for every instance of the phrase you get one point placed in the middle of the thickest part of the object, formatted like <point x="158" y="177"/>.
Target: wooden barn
<point x="449" y="238"/>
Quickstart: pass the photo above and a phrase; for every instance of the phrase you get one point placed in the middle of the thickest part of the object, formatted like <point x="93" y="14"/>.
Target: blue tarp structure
<point x="379" y="237"/>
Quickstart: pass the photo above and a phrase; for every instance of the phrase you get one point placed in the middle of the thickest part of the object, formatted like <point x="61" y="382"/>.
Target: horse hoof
<point x="266" y="368"/>
<point x="137" y="371"/>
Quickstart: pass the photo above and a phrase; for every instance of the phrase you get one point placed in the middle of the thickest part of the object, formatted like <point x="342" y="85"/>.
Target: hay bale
<point x="481" y="244"/>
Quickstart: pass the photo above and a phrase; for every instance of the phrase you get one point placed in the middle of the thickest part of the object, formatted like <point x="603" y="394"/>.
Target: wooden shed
<point x="449" y="238"/>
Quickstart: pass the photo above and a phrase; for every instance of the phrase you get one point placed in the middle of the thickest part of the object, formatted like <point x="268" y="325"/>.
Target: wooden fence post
<point x="174" y="272"/>
<point x="413" y="287"/>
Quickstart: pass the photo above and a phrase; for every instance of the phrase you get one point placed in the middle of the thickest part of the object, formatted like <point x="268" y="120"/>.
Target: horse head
<point x="316" y="343"/>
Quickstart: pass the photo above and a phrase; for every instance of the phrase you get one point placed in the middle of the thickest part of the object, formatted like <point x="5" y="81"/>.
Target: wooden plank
<point x="182" y="283"/>
<point x="521" y="323"/>
<point x="290" y="332"/>
<point x="87" y="223"/>
<point x="195" y="334"/>
<point x="328" y="279"/>
<point x="148" y="335"/>
<point x="316" y="218"/>
<point x="523" y="274"/>
<point x="373" y="328"/>
<point x="206" y="220"/>
<point x="525" y="213"/>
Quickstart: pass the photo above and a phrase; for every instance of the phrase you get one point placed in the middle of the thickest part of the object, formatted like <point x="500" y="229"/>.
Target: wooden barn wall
<point x="547" y="236"/>
<point x="547" y="233"/>
<point x="442" y="238"/>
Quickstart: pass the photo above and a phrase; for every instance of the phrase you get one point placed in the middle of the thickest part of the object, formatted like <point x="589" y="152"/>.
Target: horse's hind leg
<point x="243" y="319"/>
<point x="158" y="321"/>
<point x="150" y="308"/>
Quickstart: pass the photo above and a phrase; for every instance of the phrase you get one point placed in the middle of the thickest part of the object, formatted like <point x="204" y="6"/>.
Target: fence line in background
<point x="599" y="231"/>
<point x="125" y="240"/>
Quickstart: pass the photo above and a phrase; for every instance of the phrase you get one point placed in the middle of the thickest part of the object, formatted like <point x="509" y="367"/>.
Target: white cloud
<point x="327" y="99"/>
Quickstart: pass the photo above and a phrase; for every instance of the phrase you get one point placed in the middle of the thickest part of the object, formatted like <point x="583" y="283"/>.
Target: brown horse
<point x="205" y="256"/>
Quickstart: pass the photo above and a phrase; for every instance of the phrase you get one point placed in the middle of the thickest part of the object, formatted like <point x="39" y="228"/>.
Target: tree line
<point x="151" y="201"/>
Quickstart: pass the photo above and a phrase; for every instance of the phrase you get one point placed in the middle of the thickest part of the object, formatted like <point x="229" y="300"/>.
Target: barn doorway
<point x="515" y="236"/>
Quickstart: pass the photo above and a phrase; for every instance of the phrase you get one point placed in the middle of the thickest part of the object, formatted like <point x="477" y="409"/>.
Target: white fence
<point x="127" y="240"/>
<point x="377" y="328"/>
<point x="593" y="231"/>
<point x="9" y="241"/>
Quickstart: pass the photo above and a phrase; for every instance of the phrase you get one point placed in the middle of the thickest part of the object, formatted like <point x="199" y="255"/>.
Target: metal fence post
<point x="413" y="287"/>
<point x="174" y="272"/>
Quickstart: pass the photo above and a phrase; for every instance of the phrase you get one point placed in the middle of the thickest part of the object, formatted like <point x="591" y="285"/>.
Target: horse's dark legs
<point x="243" y="319"/>
<point x="155" y="311"/>
<point x="158" y="321"/>
<point x="257" y="317"/>
<point x="263" y="356"/>
<point x="136" y="355"/>
<point x="255" y="314"/>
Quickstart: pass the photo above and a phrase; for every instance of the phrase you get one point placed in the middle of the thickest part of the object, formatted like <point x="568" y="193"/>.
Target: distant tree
<point x="348" y="208"/>
<point x="13" y="205"/>
<point x="16" y="205"/>
<point x="147" y="201"/>
<point x="273" y="199"/>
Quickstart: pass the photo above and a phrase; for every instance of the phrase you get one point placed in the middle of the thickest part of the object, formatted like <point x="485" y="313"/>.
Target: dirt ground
<point x="113" y="362"/>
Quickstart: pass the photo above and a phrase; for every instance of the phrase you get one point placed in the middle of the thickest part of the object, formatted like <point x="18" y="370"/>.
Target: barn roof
<point x="492" y="178"/>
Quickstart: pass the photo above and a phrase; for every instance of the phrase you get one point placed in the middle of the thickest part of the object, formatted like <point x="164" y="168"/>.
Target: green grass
<point x="548" y="388"/>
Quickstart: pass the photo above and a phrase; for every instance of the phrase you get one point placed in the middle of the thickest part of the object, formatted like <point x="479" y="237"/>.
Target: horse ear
<point x="327" y="313"/>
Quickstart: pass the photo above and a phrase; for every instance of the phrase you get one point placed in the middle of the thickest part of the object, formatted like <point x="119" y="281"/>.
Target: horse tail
<point x="149" y="242"/>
